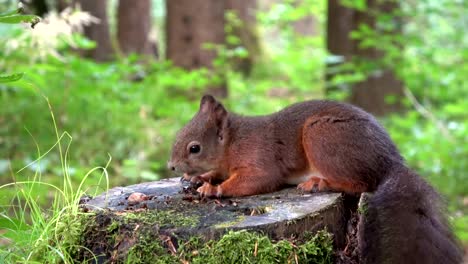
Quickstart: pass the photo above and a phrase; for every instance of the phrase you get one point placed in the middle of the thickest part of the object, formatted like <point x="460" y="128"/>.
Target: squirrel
<point x="320" y="145"/>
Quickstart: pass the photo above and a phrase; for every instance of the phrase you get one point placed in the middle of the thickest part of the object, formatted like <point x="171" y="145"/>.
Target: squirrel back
<point x="320" y="145"/>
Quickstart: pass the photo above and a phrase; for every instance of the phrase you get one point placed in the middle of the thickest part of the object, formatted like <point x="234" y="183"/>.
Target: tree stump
<point x="166" y="208"/>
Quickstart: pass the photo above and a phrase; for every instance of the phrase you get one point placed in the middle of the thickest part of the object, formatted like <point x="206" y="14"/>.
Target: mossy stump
<point x="162" y="219"/>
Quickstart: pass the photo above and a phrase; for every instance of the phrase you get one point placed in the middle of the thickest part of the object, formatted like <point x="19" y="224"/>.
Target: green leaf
<point x="82" y="42"/>
<point x="11" y="78"/>
<point x="15" y="19"/>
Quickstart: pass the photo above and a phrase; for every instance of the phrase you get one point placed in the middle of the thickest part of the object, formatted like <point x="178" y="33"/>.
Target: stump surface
<point x="283" y="214"/>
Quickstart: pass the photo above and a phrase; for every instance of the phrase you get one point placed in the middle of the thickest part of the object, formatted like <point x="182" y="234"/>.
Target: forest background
<point x="91" y="97"/>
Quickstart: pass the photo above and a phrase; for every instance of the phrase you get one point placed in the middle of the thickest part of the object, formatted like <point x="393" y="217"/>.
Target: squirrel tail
<point x="403" y="222"/>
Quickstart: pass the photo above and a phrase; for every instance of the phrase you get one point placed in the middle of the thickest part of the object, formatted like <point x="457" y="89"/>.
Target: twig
<point x="427" y="114"/>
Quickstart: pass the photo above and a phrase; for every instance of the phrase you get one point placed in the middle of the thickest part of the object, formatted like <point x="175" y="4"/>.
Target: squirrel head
<point x="199" y="145"/>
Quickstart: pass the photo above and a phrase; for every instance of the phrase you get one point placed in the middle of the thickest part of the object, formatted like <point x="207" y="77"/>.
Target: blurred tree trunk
<point x="339" y="27"/>
<point x="98" y="32"/>
<point x="246" y="32"/>
<point x="133" y="27"/>
<point x="369" y="94"/>
<point x="190" y="24"/>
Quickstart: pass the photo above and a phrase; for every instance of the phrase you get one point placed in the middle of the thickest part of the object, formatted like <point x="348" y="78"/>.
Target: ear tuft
<point x="215" y="110"/>
<point x="207" y="103"/>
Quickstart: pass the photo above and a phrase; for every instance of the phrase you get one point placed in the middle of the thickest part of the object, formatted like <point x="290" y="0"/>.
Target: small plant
<point x="46" y="234"/>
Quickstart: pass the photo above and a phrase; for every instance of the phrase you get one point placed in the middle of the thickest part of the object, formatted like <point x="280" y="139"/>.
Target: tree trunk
<point x="246" y="32"/>
<point x="98" y="32"/>
<point x="339" y="27"/>
<point x="369" y="94"/>
<point x="190" y="24"/>
<point x="133" y="27"/>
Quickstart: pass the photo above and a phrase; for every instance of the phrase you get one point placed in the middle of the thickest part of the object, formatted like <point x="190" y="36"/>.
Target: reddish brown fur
<point x="343" y="148"/>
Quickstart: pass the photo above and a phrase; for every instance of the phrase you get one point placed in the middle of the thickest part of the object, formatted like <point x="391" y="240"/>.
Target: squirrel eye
<point x="194" y="149"/>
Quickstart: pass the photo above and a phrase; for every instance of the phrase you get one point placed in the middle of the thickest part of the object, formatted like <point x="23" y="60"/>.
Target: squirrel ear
<point x="206" y="103"/>
<point x="209" y="105"/>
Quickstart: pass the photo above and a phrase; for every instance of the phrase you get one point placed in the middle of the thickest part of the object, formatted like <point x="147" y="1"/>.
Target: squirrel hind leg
<point x="339" y="152"/>
<point x="323" y="184"/>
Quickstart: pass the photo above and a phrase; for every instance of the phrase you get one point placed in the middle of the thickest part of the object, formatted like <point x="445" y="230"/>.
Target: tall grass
<point x="31" y="232"/>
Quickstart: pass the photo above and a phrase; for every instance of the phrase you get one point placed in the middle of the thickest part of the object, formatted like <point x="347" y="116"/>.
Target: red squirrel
<point x="320" y="145"/>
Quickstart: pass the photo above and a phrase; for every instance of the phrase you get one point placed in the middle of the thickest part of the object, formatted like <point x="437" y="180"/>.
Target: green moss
<point x="240" y="247"/>
<point x="230" y="223"/>
<point x="149" y="249"/>
<point x="363" y="203"/>
<point x="118" y="238"/>
<point x="112" y="227"/>
<point x="65" y="236"/>
<point x="250" y="247"/>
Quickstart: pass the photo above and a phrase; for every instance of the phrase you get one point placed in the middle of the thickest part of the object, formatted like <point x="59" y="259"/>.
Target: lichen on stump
<point x="158" y="221"/>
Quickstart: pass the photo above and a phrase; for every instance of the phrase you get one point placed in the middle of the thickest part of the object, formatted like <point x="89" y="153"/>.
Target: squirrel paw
<point x="196" y="180"/>
<point x="208" y="190"/>
<point x="307" y="187"/>
<point x="313" y="185"/>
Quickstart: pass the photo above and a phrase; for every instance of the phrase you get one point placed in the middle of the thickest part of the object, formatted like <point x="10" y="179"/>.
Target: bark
<point x="133" y="27"/>
<point x="369" y="94"/>
<point x="190" y="24"/>
<point x="98" y="32"/>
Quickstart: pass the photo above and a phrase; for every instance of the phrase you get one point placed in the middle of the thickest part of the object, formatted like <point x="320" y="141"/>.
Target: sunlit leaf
<point x="15" y="19"/>
<point x="11" y="77"/>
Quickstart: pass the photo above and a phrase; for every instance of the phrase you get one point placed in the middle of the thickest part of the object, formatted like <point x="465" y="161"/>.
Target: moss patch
<point x="250" y="247"/>
<point x="117" y="238"/>
<point x="164" y="218"/>
<point x="231" y="223"/>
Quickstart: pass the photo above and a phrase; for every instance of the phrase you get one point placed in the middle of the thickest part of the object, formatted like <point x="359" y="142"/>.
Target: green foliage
<point x="105" y="107"/>
<point x="434" y="155"/>
<point x="460" y="223"/>
<point x="424" y="45"/>
<point x="42" y="232"/>
<point x="14" y="17"/>
<point x="132" y="111"/>
<point x="293" y="62"/>
<point x="11" y="78"/>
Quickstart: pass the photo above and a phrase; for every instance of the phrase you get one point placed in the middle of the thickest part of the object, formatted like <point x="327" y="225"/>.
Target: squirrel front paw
<point x="194" y="180"/>
<point x="209" y="190"/>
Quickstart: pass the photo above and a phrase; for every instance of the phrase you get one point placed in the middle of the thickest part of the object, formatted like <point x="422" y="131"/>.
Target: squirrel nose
<point x="170" y="166"/>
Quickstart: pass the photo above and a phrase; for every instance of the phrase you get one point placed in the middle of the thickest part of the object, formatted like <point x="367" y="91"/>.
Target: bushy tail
<point x="404" y="222"/>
